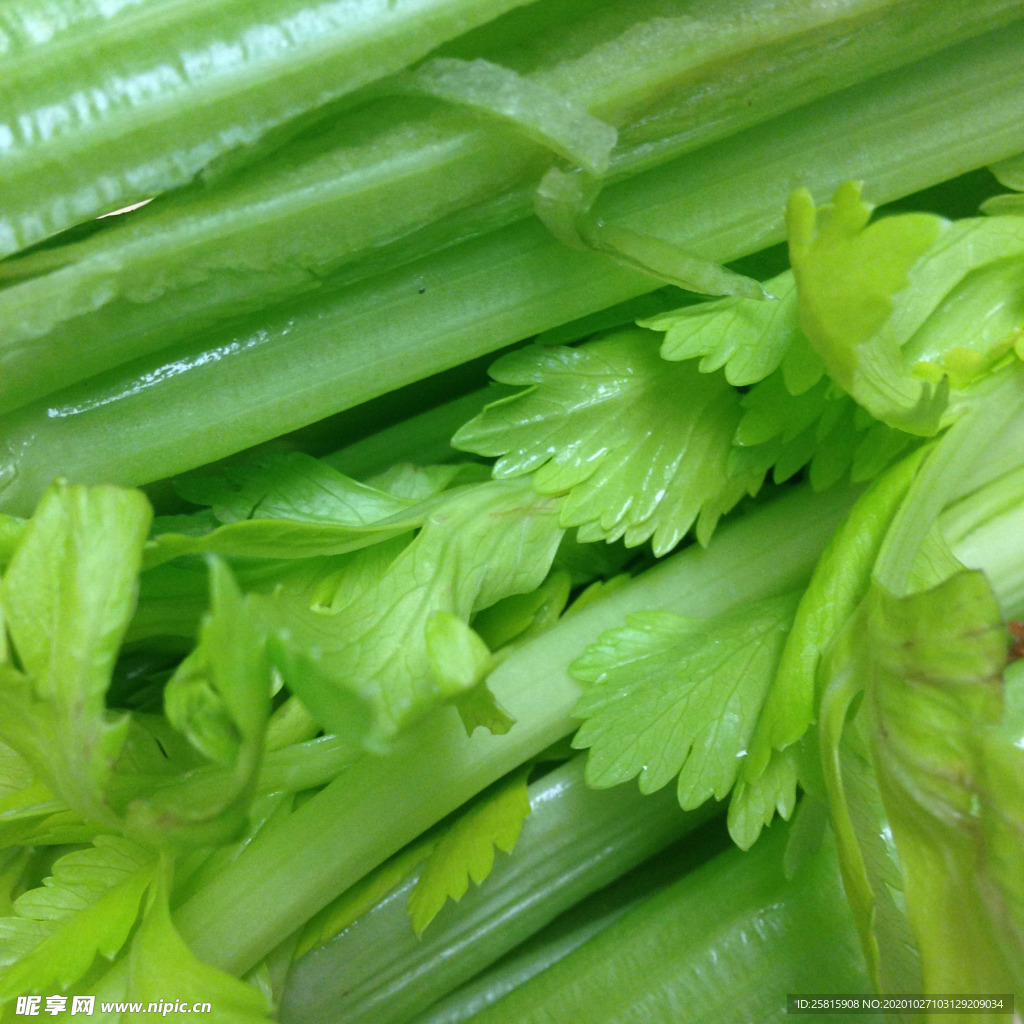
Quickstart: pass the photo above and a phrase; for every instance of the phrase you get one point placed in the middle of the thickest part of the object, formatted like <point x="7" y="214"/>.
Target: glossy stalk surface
<point x="307" y="359"/>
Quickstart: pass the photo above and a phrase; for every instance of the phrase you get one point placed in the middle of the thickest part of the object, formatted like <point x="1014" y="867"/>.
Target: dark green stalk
<point x="423" y="439"/>
<point x="726" y="943"/>
<point x="280" y="371"/>
<point x="577" y="926"/>
<point x="576" y="840"/>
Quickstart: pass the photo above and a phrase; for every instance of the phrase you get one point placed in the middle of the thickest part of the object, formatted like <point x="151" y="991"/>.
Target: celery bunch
<point x="294" y="730"/>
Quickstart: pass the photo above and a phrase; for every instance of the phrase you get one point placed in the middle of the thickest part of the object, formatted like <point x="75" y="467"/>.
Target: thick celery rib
<point x="381" y="186"/>
<point x="104" y="104"/>
<point x="381" y="803"/>
<point x="577" y="839"/>
<point x="726" y="943"/>
<point x="279" y="371"/>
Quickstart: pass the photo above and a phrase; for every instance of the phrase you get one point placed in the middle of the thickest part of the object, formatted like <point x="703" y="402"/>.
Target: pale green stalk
<point x="402" y="176"/>
<point x="901" y="132"/>
<point x="381" y="803"/>
<point x="102" y="105"/>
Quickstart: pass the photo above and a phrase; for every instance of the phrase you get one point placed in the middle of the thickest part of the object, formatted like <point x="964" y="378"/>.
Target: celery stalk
<point x="103" y="105"/>
<point x="279" y="371"/>
<point x="574" y="927"/>
<point x="575" y="841"/>
<point x="727" y="942"/>
<point x="379" y="804"/>
<point x="381" y="184"/>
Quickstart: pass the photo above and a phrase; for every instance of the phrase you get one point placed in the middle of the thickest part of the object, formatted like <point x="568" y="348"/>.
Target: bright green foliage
<point x="290" y="486"/>
<point x="901" y="309"/>
<point x="1011" y="172"/>
<point x="963" y="309"/>
<point x="856" y="815"/>
<point x="755" y="801"/>
<point x="85" y="909"/>
<point x="821" y="428"/>
<point x="219" y="699"/>
<point x="378" y="612"/>
<point x="14" y="864"/>
<point x="847" y="273"/>
<point x="466" y="849"/>
<point x="1011" y="204"/>
<point x="15" y="773"/>
<point x="932" y="744"/>
<point x="791" y="417"/>
<point x="371" y="648"/>
<point x="284" y="506"/>
<point x="67" y="597"/>
<point x="639" y="446"/>
<point x="669" y="697"/>
<point x="748" y="338"/>
<point x="460" y="662"/>
<point x="989" y="421"/>
<point x="523" y="616"/>
<point x="12" y="529"/>
<point x="897" y="965"/>
<point x="30" y="814"/>
<point x="1013" y="694"/>
<point x="643" y="448"/>
<point x="839" y="581"/>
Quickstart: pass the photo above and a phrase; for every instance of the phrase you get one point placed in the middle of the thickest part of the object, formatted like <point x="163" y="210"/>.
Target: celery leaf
<point x="30" y="813"/>
<point x="820" y="428"/>
<point x="640" y="447"/>
<point x="748" y="338"/>
<point x="161" y="967"/>
<point x="85" y="909"/>
<point x="521" y="617"/>
<point x="755" y="802"/>
<point x="898" y="964"/>
<point x="219" y="699"/>
<point x="288" y="485"/>
<point x="673" y="697"/>
<point x="367" y="656"/>
<point x="466" y="849"/>
<point x="286" y="506"/>
<point x="902" y="309"/>
<point x="840" y="579"/>
<point x="950" y="777"/>
<point x="847" y="273"/>
<point x="460" y="661"/>
<point x="1010" y="172"/>
<point x="67" y="598"/>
